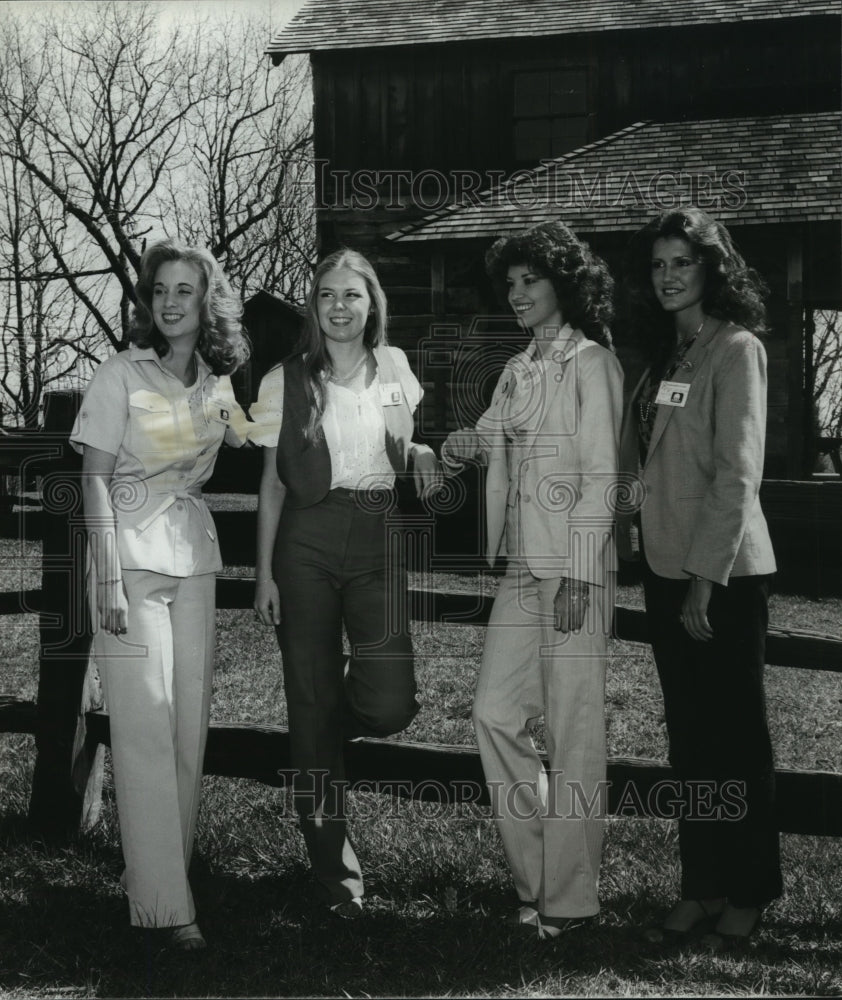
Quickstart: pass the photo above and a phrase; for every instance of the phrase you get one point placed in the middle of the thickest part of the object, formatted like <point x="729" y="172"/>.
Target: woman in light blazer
<point x="550" y="439"/>
<point x="694" y="434"/>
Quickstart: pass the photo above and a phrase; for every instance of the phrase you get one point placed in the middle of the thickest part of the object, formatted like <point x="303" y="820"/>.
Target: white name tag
<point x="391" y="394"/>
<point x="672" y="393"/>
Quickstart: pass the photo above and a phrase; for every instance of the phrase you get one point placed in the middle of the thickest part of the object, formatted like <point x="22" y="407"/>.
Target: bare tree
<point x="827" y="371"/>
<point x="251" y="143"/>
<point x="111" y="134"/>
<point x="43" y="338"/>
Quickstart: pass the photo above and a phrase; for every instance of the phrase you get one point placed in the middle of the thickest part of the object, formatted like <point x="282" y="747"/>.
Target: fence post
<point x="55" y="806"/>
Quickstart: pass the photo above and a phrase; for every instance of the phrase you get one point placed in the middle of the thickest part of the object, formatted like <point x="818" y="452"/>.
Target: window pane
<point x="568" y="91"/>
<point x="532" y="93"/>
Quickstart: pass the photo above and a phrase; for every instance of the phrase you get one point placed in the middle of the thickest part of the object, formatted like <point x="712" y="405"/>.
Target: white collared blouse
<point x="165" y="438"/>
<point x="353" y="423"/>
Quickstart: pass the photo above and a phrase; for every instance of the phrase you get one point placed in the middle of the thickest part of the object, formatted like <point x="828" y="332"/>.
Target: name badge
<point x="391" y="394"/>
<point x="672" y="393"/>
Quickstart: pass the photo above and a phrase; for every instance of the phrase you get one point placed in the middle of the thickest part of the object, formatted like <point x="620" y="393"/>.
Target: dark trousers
<point x="719" y="739"/>
<point x="340" y="562"/>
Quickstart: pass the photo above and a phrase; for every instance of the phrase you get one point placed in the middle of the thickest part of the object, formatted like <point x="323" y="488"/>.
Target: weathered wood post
<point x="65" y="638"/>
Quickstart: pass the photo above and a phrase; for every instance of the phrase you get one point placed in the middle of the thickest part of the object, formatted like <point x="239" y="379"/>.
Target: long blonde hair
<point x="317" y="363"/>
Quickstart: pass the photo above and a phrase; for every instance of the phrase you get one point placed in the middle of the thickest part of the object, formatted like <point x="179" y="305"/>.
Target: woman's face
<point x="177" y="294"/>
<point x="533" y="299"/>
<point x="343" y="305"/>
<point x="678" y="274"/>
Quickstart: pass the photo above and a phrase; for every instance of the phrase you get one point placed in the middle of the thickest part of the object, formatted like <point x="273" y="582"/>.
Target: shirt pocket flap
<point x="152" y="402"/>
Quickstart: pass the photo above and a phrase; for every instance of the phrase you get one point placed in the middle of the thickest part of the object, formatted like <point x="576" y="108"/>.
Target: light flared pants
<point x="551" y="823"/>
<point x="157" y="683"/>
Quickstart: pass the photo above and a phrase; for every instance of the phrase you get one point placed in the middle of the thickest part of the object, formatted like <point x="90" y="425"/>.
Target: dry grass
<point x="438" y="886"/>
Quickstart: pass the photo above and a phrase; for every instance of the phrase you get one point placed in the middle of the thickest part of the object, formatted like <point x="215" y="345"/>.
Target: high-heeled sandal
<point x="348" y="909"/>
<point x="673" y="936"/>
<point x="187" y="937"/>
<point x="721" y="940"/>
<point x="551" y="931"/>
<point x="525" y="917"/>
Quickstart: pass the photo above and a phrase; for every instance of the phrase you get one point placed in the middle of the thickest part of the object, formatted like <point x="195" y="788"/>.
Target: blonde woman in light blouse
<point x="150" y="427"/>
<point x="550" y="440"/>
<point x="336" y="421"/>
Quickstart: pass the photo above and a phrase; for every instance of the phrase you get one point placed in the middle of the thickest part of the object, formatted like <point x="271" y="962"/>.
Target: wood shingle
<point x="747" y="171"/>
<point x="353" y="24"/>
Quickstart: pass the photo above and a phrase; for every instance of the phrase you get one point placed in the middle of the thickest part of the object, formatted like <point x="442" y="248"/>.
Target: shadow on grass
<point x="271" y="936"/>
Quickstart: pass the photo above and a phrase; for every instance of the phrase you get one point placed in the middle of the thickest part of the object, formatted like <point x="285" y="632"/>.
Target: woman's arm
<point x="111" y="603"/>
<point x="425" y="469"/>
<point x="600" y="414"/>
<point x="269" y="506"/>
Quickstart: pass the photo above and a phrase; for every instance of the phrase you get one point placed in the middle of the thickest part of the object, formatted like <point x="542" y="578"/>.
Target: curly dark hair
<point x="733" y="291"/>
<point x="582" y="283"/>
<point x="222" y="342"/>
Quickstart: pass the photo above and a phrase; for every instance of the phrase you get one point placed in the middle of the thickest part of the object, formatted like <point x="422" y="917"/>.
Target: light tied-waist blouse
<point x="165" y="438"/>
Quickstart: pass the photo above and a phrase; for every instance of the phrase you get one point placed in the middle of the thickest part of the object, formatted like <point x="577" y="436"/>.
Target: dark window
<point x="550" y="111"/>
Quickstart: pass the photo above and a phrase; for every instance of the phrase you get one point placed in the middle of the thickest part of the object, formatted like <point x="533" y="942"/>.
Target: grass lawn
<point x="438" y="887"/>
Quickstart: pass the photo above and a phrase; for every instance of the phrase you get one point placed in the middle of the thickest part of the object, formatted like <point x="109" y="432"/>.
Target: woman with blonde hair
<point x="336" y="421"/>
<point x="150" y="427"/>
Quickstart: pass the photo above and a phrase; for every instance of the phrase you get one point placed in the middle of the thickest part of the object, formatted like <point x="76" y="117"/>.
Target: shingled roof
<point x="354" y="24"/>
<point x="747" y="171"/>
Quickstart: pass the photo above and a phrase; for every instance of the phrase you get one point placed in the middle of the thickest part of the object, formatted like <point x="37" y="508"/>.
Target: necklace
<point x="646" y="407"/>
<point x="338" y="379"/>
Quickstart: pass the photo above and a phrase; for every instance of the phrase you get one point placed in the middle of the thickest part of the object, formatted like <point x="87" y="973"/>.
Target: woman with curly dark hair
<point x="550" y="440"/>
<point x="694" y="435"/>
<point x="151" y="424"/>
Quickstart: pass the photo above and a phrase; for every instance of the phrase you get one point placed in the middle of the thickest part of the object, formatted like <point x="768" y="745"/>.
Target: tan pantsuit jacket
<point x="700" y="511"/>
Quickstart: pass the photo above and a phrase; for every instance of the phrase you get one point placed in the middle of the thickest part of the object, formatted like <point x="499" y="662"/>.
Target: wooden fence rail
<point x="809" y="802"/>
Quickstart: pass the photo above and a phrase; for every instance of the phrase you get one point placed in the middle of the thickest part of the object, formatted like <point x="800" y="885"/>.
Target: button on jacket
<point x="165" y="437"/>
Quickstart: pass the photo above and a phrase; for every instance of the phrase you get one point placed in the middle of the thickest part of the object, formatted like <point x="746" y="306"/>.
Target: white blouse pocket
<point x="153" y="426"/>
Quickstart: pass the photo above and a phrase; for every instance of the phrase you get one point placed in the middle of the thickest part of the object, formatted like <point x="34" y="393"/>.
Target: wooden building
<point x="273" y="327"/>
<point x="434" y="120"/>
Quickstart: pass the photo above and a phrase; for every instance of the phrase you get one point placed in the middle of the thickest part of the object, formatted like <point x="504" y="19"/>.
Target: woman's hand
<point x="112" y="606"/>
<point x="570" y="605"/>
<point x="267" y="602"/>
<point x="460" y="446"/>
<point x="694" y="610"/>
<point x="426" y="472"/>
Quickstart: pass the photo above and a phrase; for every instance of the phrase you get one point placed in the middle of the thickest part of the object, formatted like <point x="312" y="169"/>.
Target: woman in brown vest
<point x="337" y="421"/>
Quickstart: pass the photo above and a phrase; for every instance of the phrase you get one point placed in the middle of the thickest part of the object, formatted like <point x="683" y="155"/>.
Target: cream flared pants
<point x="551" y="823"/>
<point x="157" y="685"/>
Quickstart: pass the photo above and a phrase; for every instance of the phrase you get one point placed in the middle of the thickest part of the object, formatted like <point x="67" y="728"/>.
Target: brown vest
<point x="303" y="465"/>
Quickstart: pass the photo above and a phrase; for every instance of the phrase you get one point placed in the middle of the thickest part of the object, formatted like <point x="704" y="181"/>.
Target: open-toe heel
<point x="672" y="937"/>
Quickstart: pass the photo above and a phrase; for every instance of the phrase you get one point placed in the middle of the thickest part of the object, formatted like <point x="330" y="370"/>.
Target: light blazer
<point x="564" y="482"/>
<point x="701" y="511"/>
